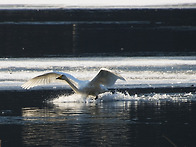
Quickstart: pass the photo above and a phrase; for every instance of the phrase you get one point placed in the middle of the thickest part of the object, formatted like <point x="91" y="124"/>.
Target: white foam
<point x="74" y="98"/>
<point x="118" y="96"/>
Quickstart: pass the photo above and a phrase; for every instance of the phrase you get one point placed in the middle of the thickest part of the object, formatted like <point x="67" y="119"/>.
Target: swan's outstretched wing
<point x="46" y="79"/>
<point x="106" y="77"/>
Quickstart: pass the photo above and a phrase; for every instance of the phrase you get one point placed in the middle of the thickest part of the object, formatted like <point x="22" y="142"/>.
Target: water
<point x="154" y="107"/>
<point x="39" y="32"/>
<point x="138" y="71"/>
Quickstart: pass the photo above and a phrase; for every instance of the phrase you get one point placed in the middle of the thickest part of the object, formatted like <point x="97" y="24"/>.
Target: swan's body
<point x="99" y="84"/>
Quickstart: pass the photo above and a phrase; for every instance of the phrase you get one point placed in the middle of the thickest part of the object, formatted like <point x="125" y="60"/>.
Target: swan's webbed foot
<point x="96" y="97"/>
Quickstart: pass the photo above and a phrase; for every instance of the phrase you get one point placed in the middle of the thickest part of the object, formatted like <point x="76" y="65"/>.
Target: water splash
<point x="118" y="96"/>
<point x="74" y="98"/>
<point x="125" y="96"/>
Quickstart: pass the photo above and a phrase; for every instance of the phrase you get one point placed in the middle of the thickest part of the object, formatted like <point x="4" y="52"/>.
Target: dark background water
<point x="81" y="32"/>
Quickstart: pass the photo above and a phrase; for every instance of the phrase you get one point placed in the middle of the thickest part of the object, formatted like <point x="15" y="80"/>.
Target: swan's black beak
<point x="60" y="77"/>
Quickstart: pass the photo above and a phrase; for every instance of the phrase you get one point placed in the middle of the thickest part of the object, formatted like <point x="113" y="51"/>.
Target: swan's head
<point x="61" y="77"/>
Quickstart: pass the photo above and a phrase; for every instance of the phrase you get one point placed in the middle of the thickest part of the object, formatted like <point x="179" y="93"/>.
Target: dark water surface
<point x="87" y="32"/>
<point x="27" y="118"/>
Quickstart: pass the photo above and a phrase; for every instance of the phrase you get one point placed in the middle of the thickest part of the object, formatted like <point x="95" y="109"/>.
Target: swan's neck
<point x="71" y="84"/>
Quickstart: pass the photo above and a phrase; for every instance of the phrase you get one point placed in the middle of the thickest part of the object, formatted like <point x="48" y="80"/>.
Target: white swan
<point x="99" y="84"/>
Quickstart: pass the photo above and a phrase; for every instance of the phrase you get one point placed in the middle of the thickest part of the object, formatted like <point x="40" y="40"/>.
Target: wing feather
<point x="106" y="78"/>
<point x="48" y="78"/>
<point x="41" y="80"/>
